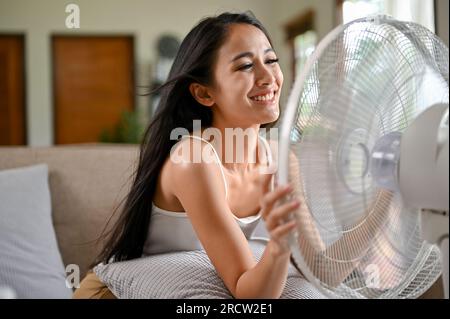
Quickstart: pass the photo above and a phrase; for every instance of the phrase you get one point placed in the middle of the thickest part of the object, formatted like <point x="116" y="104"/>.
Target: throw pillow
<point x="30" y="261"/>
<point x="184" y="275"/>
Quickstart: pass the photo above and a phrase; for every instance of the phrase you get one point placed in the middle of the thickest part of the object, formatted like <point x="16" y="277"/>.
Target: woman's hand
<point x="276" y="216"/>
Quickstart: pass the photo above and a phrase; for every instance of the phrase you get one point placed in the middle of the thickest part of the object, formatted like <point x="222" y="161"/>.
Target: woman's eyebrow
<point x="249" y="54"/>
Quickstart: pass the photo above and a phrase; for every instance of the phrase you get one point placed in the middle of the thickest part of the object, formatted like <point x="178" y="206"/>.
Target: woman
<point x="226" y="74"/>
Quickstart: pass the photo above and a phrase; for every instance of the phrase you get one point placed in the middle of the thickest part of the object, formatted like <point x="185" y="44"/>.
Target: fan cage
<point x="367" y="79"/>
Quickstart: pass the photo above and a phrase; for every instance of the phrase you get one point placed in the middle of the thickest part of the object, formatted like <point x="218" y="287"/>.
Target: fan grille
<point x="355" y="238"/>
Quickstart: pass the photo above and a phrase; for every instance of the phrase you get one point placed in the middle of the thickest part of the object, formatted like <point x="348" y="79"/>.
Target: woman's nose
<point x="265" y="76"/>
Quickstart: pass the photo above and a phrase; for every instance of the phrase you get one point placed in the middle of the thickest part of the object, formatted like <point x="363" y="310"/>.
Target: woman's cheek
<point x="280" y="76"/>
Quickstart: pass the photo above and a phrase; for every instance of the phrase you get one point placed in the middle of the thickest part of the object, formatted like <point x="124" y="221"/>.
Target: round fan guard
<point x="361" y="88"/>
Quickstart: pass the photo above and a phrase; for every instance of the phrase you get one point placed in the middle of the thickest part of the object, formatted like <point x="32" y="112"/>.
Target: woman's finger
<point x="280" y="214"/>
<point x="281" y="231"/>
<point x="269" y="199"/>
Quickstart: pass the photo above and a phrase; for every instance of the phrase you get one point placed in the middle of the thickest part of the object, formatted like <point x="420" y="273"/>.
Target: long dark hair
<point x="177" y="108"/>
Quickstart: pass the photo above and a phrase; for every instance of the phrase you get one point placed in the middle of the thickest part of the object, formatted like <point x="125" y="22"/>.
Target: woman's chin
<point x="272" y="114"/>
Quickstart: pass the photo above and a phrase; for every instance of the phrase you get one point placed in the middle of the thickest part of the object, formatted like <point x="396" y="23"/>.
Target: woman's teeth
<point x="267" y="97"/>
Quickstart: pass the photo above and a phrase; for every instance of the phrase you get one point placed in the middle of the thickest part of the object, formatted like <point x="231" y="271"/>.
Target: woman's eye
<point x="272" y="61"/>
<point x="245" y="66"/>
<point x="248" y="66"/>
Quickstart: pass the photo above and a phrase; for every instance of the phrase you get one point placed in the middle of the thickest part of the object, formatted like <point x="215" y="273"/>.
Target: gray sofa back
<point x="86" y="183"/>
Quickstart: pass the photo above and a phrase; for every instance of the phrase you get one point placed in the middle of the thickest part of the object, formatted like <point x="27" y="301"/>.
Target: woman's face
<point x="247" y="79"/>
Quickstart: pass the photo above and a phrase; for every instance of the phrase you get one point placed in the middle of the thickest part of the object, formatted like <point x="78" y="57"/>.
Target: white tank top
<point x="172" y="231"/>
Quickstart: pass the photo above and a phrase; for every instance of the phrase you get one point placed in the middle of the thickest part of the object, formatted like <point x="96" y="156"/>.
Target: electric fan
<point x="364" y="141"/>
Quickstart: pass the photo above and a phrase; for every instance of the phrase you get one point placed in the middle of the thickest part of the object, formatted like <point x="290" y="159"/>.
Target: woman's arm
<point x="274" y="263"/>
<point x="199" y="188"/>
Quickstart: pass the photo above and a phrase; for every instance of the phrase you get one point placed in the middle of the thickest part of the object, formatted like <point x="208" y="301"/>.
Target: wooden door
<point x="93" y="83"/>
<point x="12" y="90"/>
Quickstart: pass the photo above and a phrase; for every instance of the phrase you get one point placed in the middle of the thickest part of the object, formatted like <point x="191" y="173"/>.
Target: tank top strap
<point x="269" y="158"/>
<point x="268" y="149"/>
<point x="218" y="160"/>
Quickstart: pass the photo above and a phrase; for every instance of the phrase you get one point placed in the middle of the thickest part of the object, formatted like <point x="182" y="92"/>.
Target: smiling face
<point x="247" y="80"/>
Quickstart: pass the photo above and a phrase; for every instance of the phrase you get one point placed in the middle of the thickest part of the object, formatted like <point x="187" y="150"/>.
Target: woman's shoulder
<point x="192" y="158"/>
<point x="184" y="172"/>
<point x="191" y="149"/>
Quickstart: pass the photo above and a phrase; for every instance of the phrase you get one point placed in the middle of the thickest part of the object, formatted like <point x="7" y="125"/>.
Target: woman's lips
<point x="266" y="99"/>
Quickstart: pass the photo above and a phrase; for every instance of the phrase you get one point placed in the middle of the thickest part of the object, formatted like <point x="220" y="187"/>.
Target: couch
<point x="86" y="183"/>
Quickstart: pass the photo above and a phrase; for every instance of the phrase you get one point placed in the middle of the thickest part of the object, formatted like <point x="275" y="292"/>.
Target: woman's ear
<point x="201" y="94"/>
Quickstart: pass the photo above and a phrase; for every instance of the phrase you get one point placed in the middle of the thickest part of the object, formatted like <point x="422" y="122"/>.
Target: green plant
<point x="128" y="130"/>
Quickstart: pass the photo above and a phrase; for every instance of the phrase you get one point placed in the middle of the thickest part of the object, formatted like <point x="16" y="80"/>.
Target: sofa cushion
<point x="30" y="261"/>
<point x="185" y="275"/>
